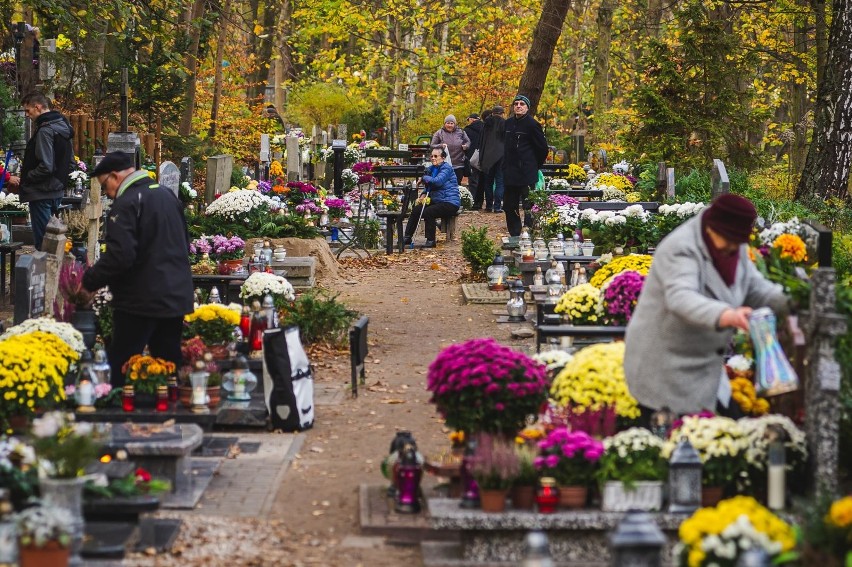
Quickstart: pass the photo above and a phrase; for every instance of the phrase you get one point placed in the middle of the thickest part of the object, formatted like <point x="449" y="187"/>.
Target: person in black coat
<point x="525" y="151"/>
<point x="145" y="265"/>
<point x="474" y="132"/>
<point x="491" y="152"/>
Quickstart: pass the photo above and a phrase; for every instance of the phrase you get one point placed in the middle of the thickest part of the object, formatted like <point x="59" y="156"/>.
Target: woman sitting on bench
<point x="439" y="199"/>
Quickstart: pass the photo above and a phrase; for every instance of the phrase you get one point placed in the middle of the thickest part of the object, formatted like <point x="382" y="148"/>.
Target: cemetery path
<point x="415" y="305"/>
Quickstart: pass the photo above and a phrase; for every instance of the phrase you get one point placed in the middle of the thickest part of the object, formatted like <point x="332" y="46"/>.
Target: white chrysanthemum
<point x="261" y="283"/>
<point x="65" y="331"/>
<point x="636" y="211"/>
<point x="757" y="452"/>
<point x="610" y="193"/>
<point x="235" y="204"/>
<point x="739" y="363"/>
<point x="10" y="201"/>
<point x="558" y="184"/>
<point x="568" y="215"/>
<point x="615" y="220"/>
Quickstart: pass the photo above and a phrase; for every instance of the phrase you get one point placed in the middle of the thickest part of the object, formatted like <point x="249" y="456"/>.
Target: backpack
<point x="288" y="381"/>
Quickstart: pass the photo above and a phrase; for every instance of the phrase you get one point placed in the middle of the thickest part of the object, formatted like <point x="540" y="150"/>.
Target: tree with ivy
<point x="10" y="128"/>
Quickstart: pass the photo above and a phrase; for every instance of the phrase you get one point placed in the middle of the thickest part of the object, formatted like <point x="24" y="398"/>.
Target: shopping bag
<point x="288" y="382"/>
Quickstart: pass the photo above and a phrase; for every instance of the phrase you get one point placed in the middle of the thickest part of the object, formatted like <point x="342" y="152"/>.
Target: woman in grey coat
<point x="455" y="141"/>
<point x="701" y="286"/>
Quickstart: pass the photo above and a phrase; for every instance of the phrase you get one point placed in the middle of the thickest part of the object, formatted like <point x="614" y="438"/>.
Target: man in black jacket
<point x="525" y="152"/>
<point x="145" y="265"/>
<point x="491" y="152"/>
<point x="474" y="132"/>
<point x="46" y="164"/>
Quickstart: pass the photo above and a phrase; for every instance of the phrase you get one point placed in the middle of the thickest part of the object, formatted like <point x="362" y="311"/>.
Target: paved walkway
<point x="245" y="486"/>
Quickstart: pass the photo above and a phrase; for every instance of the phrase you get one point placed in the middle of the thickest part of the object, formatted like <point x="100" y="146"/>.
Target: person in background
<point x="701" y="286"/>
<point x="491" y="152"/>
<point x="455" y="142"/>
<point x="145" y="264"/>
<point x="474" y="133"/>
<point x="525" y="152"/>
<point x="439" y="199"/>
<point x="46" y="165"/>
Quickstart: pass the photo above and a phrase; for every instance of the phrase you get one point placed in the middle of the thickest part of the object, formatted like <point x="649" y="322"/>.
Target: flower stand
<point x="645" y="495"/>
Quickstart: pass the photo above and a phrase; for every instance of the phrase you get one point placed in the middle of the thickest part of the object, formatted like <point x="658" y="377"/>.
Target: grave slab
<point x="479" y="293"/>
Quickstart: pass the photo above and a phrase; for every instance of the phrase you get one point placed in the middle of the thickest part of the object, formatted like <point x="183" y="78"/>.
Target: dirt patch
<point x="327" y="272"/>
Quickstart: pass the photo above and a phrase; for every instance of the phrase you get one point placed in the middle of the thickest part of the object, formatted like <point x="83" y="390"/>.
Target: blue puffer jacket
<point x="442" y="185"/>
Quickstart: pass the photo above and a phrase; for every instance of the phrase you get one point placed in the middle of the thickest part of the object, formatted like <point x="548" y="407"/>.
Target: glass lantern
<point x="525" y="245"/>
<point x="239" y="381"/>
<point x="588" y="247"/>
<point x="497" y="273"/>
<point x="198" y="379"/>
<point x="540" y="250"/>
<point x="555" y="247"/>
<point x="101" y="366"/>
<point x="84" y="390"/>
<point x="684" y="479"/>
<point x="516" y="306"/>
<point x="553" y="281"/>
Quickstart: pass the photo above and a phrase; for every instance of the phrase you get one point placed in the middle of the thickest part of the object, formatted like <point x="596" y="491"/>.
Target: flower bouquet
<point x="744" y="394"/>
<point x="619" y="297"/>
<point x="631" y="471"/>
<point x="63" y="447"/>
<point x="186" y="193"/>
<point x="259" y="284"/>
<point x="364" y="170"/>
<point x="640" y="263"/>
<point x="349" y="178"/>
<point x="669" y="217"/>
<point x="338" y="208"/>
<point x="145" y="373"/>
<point x="571" y="457"/>
<point x="721" y="535"/>
<point x="71" y="287"/>
<point x="559" y="184"/>
<point x="721" y="443"/>
<point x="580" y="304"/>
<point x="385" y="200"/>
<point x="576" y="174"/>
<point x="227" y="248"/>
<point x="212" y="322"/>
<point x="32" y="376"/>
<point x="41" y="525"/>
<point x="482" y="386"/>
<point x="593" y="389"/>
<point x="243" y="206"/>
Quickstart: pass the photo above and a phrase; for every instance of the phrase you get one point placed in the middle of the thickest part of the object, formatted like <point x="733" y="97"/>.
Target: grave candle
<point x="547" y="496"/>
<point x="127" y="395"/>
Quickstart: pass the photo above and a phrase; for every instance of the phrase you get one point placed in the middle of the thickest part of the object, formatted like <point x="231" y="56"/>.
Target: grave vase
<point x="86" y="321"/>
<point x="67" y="493"/>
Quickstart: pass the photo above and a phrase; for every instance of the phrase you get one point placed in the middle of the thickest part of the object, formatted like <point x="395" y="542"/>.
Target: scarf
<point x="725" y="264"/>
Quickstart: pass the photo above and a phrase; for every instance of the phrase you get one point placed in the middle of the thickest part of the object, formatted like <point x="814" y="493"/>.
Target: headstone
<point x="54" y="245"/>
<point x="294" y="159"/>
<point x="578" y="146"/>
<point x="186" y="170"/>
<point x="125" y="141"/>
<point x="719" y="178"/>
<point x="47" y="64"/>
<point x="670" y="183"/>
<point x="218" y="176"/>
<point x="342" y="130"/>
<point x="169" y="176"/>
<point x="94" y="210"/>
<point x="661" y="180"/>
<point x="264" y="148"/>
<point x="822" y="325"/>
<point x="30" y="286"/>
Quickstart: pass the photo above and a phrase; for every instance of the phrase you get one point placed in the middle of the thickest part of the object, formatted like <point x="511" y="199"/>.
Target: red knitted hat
<point x="731" y="216"/>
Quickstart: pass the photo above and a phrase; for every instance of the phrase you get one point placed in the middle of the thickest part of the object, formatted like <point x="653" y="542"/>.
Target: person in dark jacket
<point x="525" y="152"/>
<point x="474" y="132"/>
<point x="145" y="265"/>
<point x="491" y="152"/>
<point x="46" y="164"/>
<point x="442" y="192"/>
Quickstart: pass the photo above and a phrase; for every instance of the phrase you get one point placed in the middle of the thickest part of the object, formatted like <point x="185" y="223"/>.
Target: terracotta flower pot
<point x="228" y="267"/>
<point x="523" y="497"/>
<point x="572" y="497"/>
<point x="50" y="555"/>
<point x="493" y="500"/>
<point x="711" y="495"/>
<point x="213" y="392"/>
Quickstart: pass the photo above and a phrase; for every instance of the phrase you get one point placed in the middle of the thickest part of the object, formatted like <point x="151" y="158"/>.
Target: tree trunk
<point x="799" y="98"/>
<point x="285" y="70"/>
<point x="826" y="172"/>
<point x="601" y="80"/>
<point x="540" y="56"/>
<point x="191" y="62"/>
<point x="220" y="55"/>
<point x="820" y="37"/>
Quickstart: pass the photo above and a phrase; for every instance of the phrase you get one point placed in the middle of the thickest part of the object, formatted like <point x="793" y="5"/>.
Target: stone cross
<point x="54" y="245"/>
<point x="93" y="211"/>
<point x="719" y="177"/>
<point x="822" y="325"/>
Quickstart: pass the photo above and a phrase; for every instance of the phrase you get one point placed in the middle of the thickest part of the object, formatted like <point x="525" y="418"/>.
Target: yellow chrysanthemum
<point x="594" y="379"/>
<point x="792" y="247"/>
<point x="580" y="303"/>
<point x="840" y="513"/>
<point x="636" y="262"/>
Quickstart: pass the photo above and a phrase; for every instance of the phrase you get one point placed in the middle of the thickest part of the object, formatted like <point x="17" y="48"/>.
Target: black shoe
<point x="430" y="244"/>
<point x="407" y="241"/>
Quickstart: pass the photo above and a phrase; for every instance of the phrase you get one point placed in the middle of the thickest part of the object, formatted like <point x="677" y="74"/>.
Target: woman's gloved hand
<point x="427" y="179"/>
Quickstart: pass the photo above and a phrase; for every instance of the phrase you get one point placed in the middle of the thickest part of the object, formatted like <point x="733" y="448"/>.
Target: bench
<point x="388" y="154"/>
<point x="448" y="226"/>
<point x="396" y="218"/>
<point x="386" y="174"/>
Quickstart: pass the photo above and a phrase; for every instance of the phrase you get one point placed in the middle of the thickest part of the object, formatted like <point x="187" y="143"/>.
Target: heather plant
<point x="495" y="464"/>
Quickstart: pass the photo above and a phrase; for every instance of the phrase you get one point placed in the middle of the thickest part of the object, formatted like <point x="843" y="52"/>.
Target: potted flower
<point x="495" y="466"/>
<point x="146" y="373"/>
<point x="194" y="351"/>
<point x="260" y="284"/>
<point x="721" y="535"/>
<point x="480" y="386"/>
<point x="524" y="484"/>
<point x="619" y="297"/>
<point x="576" y="174"/>
<point x="827" y="531"/>
<point x="632" y="471"/>
<point x="228" y="252"/>
<point x="44" y="536"/>
<point x="593" y="390"/>
<point x="580" y="305"/>
<point x="18" y="472"/>
<point x="635" y="262"/>
<point x="33" y="375"/>
<point x="571" y="458"/>
<point x="338" y="209"/>
<point x="78" y="301"/>
<point x="759" y="432"/>
<point x="213" y="323"/>
<point x="722" y="445"/>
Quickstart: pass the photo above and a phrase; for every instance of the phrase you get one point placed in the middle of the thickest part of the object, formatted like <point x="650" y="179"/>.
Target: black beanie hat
<point x="731" y="216"/>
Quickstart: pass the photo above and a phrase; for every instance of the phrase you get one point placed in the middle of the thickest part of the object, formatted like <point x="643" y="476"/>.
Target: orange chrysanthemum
<point x="792" y="247"/>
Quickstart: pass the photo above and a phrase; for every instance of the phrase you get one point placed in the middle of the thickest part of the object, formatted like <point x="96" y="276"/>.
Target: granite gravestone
<point x="719" y="178"/>
<point x="30" y="286"/>
<point x="170" y="177"/>
<point x="218" y="176"/>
